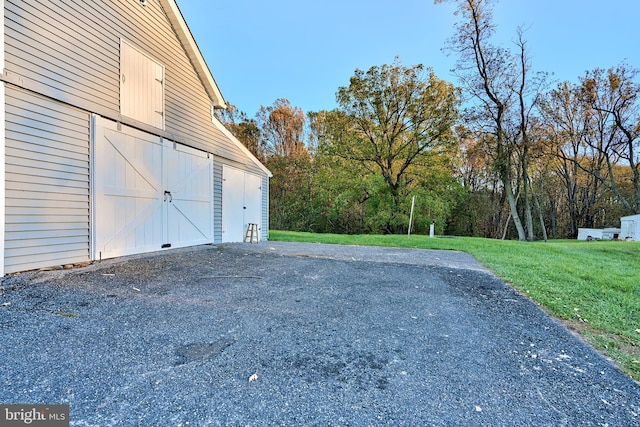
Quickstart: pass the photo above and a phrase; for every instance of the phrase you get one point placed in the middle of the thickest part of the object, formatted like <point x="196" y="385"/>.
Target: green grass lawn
<point x="593" y="287"/>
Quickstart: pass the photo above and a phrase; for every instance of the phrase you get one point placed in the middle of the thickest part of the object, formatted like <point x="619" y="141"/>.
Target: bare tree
<point x="613" y="97"/>
<point x="495" y="79"/>
<point x="571" y="133"/>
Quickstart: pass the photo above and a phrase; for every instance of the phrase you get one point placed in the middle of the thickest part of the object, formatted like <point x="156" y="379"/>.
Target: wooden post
<point x="413" y="203"/>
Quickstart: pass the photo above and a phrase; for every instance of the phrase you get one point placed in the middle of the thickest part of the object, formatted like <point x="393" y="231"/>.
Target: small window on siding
<point x="141" y="86"/>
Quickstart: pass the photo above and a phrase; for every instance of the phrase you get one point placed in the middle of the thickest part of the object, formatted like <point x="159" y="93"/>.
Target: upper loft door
<point x="141" y="86"/>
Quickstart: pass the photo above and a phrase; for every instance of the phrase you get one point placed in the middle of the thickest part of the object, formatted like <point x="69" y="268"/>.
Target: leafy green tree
<point x="342" y="186"/>
<point x="291" y="193"/>
<point x="392" y="120"/>
<point x="342" y="190"/>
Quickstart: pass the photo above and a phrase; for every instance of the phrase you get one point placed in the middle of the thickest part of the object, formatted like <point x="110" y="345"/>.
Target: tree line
<point x="506" y="154"/>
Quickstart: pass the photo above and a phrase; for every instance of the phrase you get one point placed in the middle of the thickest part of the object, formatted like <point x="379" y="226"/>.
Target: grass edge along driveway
<point x="592" y="287"/>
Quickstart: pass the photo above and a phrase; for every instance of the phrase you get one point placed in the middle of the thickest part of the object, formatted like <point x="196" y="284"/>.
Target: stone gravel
<point x="298" y="334"/>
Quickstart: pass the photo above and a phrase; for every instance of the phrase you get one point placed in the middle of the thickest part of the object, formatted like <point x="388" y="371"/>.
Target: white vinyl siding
<point x="70" y="51"/>
<point x="62" y="63"/>
<point x="265" y="209"/>
<point x="47" y="183"/>
<point x="217" y="200"/>
<point x="141" y="87"/>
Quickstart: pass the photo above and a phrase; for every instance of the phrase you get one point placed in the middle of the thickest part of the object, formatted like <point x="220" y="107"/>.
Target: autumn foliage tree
<point x="570" y="154"/>
<point x="245" y="129"/>
<point x="282" y="128"/>
<point x="569" y="125"/>
<point x="592" y="138"/>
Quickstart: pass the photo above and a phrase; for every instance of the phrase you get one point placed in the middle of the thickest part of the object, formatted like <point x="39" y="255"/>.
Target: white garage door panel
<point x="241" y="203"/>
<point x="129" y="205"/>
<point x="232" y="204"/>
<point x="253" y="198"/>
<point x="190" y="210"/>
<point x="149" y="193"/>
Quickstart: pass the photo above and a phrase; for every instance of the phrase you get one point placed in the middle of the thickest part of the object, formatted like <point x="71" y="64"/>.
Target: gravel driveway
<point x="298" y="334"/>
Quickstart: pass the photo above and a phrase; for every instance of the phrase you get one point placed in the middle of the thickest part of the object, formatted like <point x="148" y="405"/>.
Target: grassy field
<point x="592" y="287"/>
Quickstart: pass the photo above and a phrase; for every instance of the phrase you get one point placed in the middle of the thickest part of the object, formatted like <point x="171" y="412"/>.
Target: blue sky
<point x="304" y="51"/>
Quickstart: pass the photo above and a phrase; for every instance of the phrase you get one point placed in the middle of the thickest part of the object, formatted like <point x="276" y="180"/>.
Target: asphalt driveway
<point x="298" y="334"/>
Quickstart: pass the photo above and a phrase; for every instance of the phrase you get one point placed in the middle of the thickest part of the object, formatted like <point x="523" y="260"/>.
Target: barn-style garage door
<point x="149" y="193"/>
<point x="241" y="202"/>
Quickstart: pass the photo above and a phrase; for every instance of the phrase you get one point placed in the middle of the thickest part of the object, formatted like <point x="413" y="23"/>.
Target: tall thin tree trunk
<point x="513" y="205"/>
<point x="506" y="227"/>
<point x="540" y="215"/>
<point x="554" y="227"/>
<point x="528" y="217"/>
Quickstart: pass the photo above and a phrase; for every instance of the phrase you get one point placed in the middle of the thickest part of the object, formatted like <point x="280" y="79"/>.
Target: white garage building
<point x="110" y="146"/>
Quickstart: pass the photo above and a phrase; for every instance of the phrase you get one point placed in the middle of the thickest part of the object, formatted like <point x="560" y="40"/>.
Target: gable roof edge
<point x="240" y="145"/>
<point x="193" y="51"/>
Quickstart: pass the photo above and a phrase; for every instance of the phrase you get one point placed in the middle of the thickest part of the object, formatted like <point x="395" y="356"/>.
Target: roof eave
<point x="242" y="147"/>
<point x="193" y="51"/>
